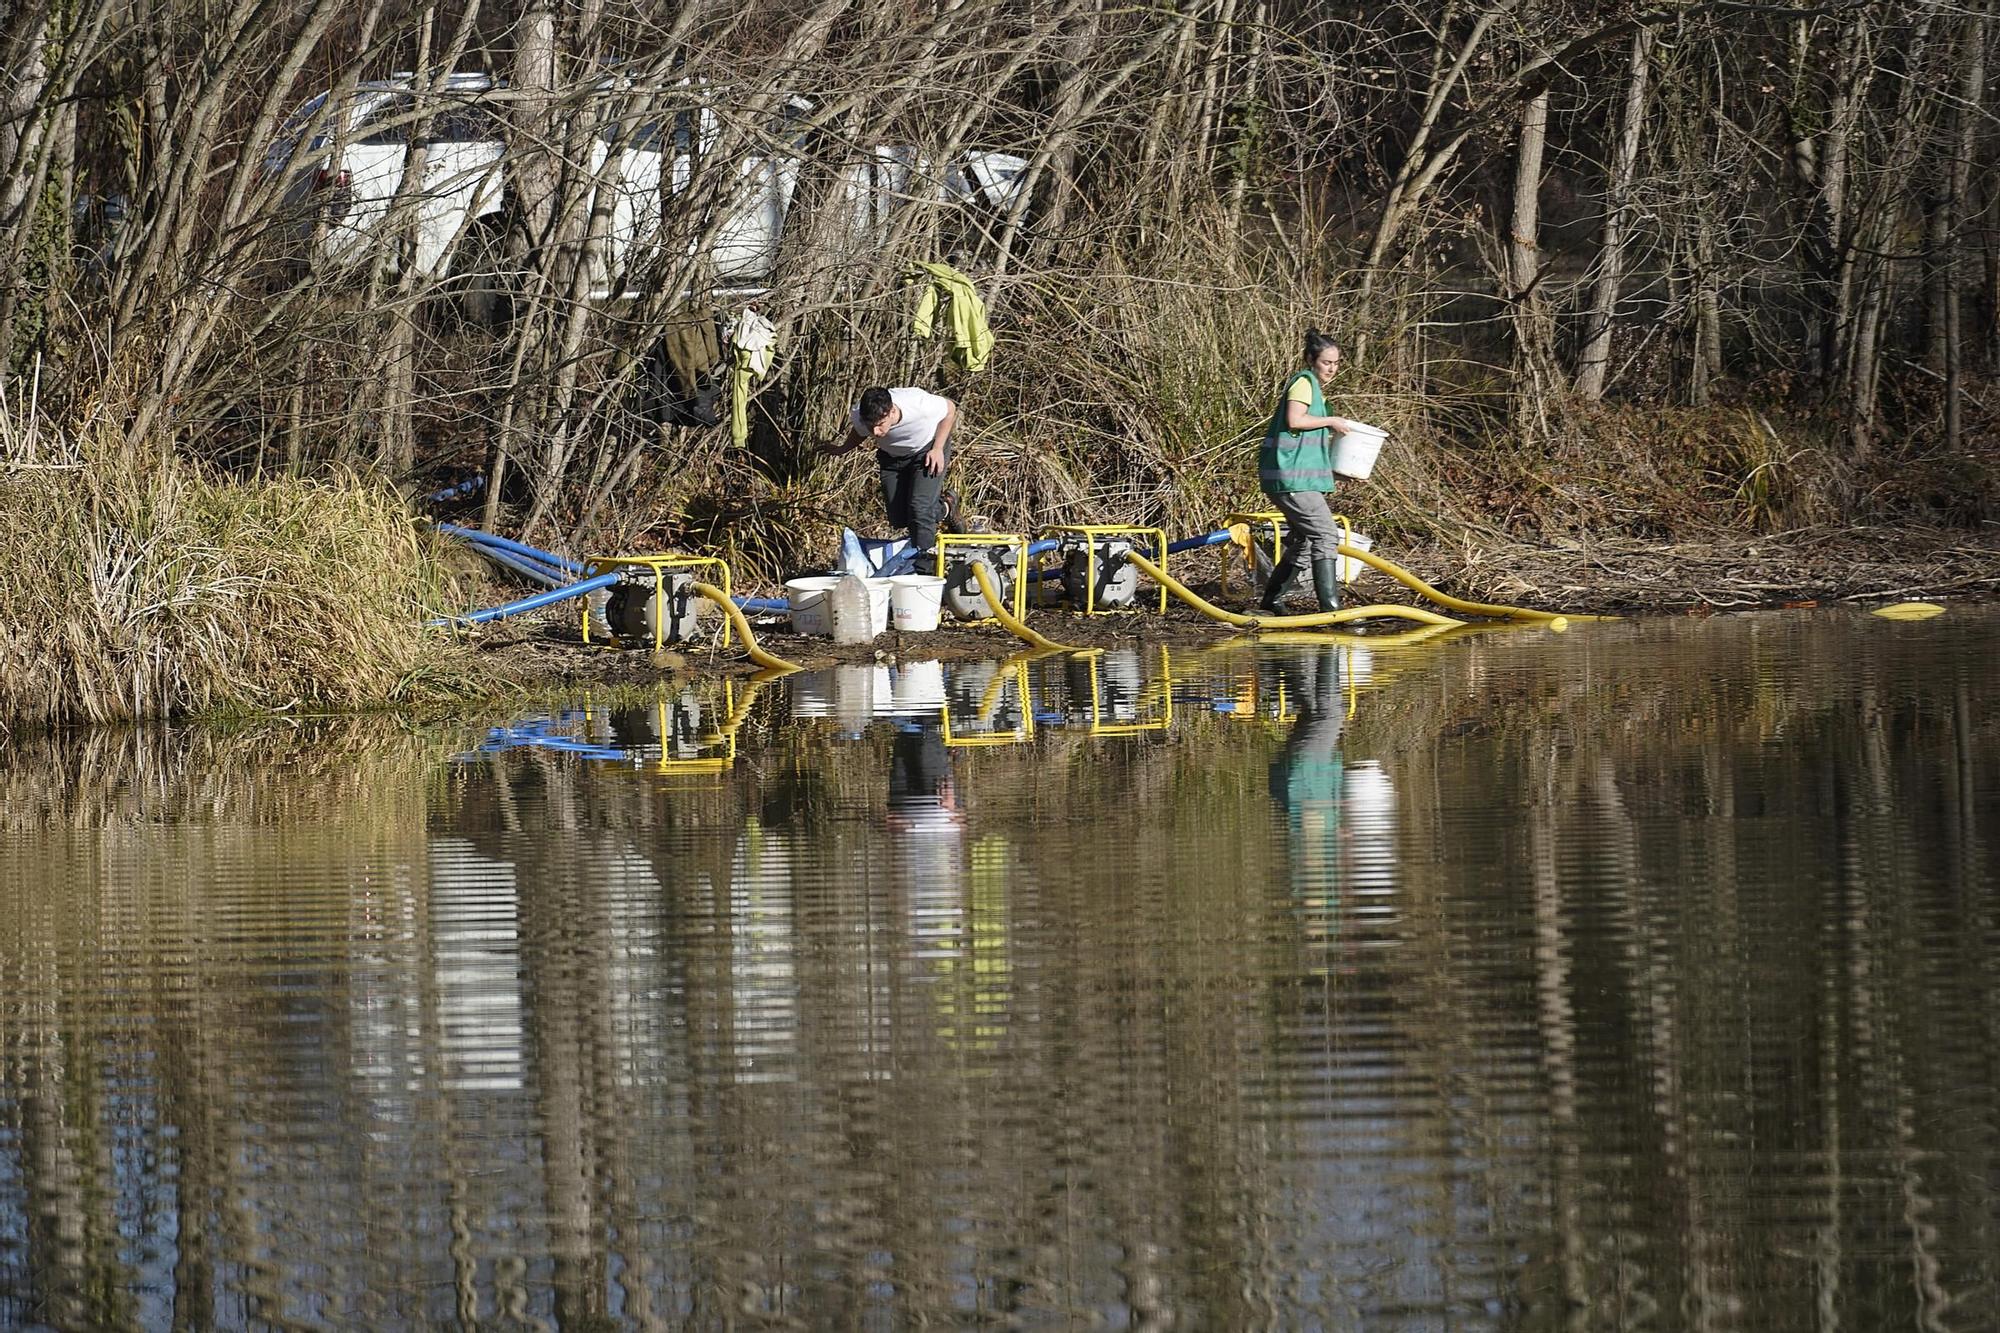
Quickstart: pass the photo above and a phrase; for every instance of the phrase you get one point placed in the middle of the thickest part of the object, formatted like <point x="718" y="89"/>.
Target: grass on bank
<point x="138" y="587"/>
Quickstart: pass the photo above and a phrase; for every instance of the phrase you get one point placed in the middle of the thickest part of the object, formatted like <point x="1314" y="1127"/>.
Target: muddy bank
<point x="1623" y="577"/>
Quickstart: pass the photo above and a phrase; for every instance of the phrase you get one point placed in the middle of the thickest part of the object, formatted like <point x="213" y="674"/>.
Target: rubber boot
<point x="1274" y="591"/>
<point x="1326" y="582"/>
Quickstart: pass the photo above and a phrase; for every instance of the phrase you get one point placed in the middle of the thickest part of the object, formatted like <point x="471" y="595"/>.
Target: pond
<point x="1642" y="975"/>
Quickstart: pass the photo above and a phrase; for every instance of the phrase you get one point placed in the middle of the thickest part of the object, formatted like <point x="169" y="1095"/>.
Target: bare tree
<point x="1594" y="361"/>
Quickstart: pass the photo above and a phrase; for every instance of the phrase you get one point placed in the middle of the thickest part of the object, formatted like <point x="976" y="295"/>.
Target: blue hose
<point x="452" y="492"/>
<point x="517" y="548"/>
<point x="1215" y="538"/>
<point x="763" y="603"/>
<point x="530" y="569"/>
<point x="1184" y="544"/>
<point x="534" y="603"/>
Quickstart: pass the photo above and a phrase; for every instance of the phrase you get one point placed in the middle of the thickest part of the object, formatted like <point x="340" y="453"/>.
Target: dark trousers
<point x="912" y="497"/>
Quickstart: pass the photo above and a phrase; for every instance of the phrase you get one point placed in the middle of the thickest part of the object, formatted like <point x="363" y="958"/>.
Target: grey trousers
<point x="912" y="497"/>
<point x="1310" y="531"/>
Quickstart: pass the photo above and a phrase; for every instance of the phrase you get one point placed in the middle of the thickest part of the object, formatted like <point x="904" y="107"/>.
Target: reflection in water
<point x="1635" y="977"/>
<point x="1308" y="782"/>
<point x="475" y="913"/>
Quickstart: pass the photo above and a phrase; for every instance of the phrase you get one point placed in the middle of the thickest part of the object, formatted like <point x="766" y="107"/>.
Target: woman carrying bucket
<point x="1295" y="468"/>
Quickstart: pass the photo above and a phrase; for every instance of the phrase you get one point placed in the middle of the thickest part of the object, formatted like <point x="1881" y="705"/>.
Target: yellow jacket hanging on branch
<point x="971" y="340"/>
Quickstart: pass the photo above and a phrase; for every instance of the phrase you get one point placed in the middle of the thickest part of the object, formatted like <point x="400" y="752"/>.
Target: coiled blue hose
<point x="540" y="573"/>
<point x="549" y="558"/>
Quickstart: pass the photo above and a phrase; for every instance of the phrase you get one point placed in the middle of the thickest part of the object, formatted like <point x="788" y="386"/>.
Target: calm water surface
<point x="1641" y="976"/>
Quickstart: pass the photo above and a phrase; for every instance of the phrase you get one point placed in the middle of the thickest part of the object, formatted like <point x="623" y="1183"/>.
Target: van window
<point x="388" y="121"/>
<point x="466" y="123"/>
<point x="286" y="141"/>
<point x="644" y="138"/>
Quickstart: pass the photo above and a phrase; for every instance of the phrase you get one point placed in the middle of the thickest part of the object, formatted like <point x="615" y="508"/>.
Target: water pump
<point x="1096" y="576"/>
<point x="635" y="608"/>
<point x="961" y="587"/>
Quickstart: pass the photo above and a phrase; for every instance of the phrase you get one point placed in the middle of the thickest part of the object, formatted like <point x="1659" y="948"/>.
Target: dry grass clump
<point x="134" y="586"/>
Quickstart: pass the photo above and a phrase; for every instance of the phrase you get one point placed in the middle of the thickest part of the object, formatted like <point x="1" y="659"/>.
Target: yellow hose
<point x="742" y="626"/>
<point x="738" y="714"/>
<point x="1401" y="638"/>
<point x="1459" y="604"/>
<point x="1317" y="618"/>
<point x="989" y="699"/>
<point x="1007" y="618"/>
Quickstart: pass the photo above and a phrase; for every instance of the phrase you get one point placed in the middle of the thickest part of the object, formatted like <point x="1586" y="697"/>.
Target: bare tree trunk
<point x="1166" y="118"/>
<point x="395" y="449"/>
<point x="1062" y="164"/>
<point x="533" y="173"/>
<point x="164" y="268"/>
<point x="1594" y="361"/>
<point x="24" y="44"/>
<point x="1247" y="143"/>
<point x="1072" y="110"/>
<point x="1972" y="90"/>
<point x="1820" y="162"/>
<point x="1871" y="269"/>
<point x="1989" y="289"/>
<point x="1213" y="69"/>
<point x="41" y="65"/>
<point x="533" y="166"/>
<point x="1706" y="359"/>
<point x="1524" y="263"/>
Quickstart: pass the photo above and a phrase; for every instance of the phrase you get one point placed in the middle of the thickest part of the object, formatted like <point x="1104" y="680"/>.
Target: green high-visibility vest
<point x="1296" y="460"/>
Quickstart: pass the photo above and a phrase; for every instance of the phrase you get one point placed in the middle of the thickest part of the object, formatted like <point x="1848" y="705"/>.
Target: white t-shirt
<point x="923" y="413"/>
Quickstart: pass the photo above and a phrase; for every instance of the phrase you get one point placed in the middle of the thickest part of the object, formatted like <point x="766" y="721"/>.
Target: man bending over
<point x="909" y="429"/>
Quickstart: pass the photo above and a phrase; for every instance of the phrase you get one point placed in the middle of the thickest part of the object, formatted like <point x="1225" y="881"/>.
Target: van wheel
<point x="484" y="281"/>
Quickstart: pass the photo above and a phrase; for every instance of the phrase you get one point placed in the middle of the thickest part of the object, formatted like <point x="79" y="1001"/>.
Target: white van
<point x="460" y="200"/>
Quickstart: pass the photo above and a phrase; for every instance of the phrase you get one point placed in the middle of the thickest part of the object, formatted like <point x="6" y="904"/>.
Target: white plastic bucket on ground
<point x="1354" y="453"/>
<point x="810" y="614"/>
<point x="1350" y="568"/>
<point x="915" y="601"/>
<point x="879" y="591"/>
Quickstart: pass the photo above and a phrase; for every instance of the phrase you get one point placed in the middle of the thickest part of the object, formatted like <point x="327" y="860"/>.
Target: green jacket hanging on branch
<point x="971" y="340"/>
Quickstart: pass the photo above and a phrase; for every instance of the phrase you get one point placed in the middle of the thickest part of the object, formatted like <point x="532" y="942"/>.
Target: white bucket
<point x="878" y="603"/>
<point x="915" y="601"/>
<point x="810" y="613"/>
<point x="1350" y="568"/>
<point x="1354" y="453"/>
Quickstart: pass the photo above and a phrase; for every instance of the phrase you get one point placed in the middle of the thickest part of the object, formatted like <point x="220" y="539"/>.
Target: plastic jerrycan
<point x="853" y="617"/>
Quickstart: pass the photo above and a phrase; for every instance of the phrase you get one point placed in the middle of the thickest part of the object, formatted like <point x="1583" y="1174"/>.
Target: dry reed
<point x="136" y="586"/>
